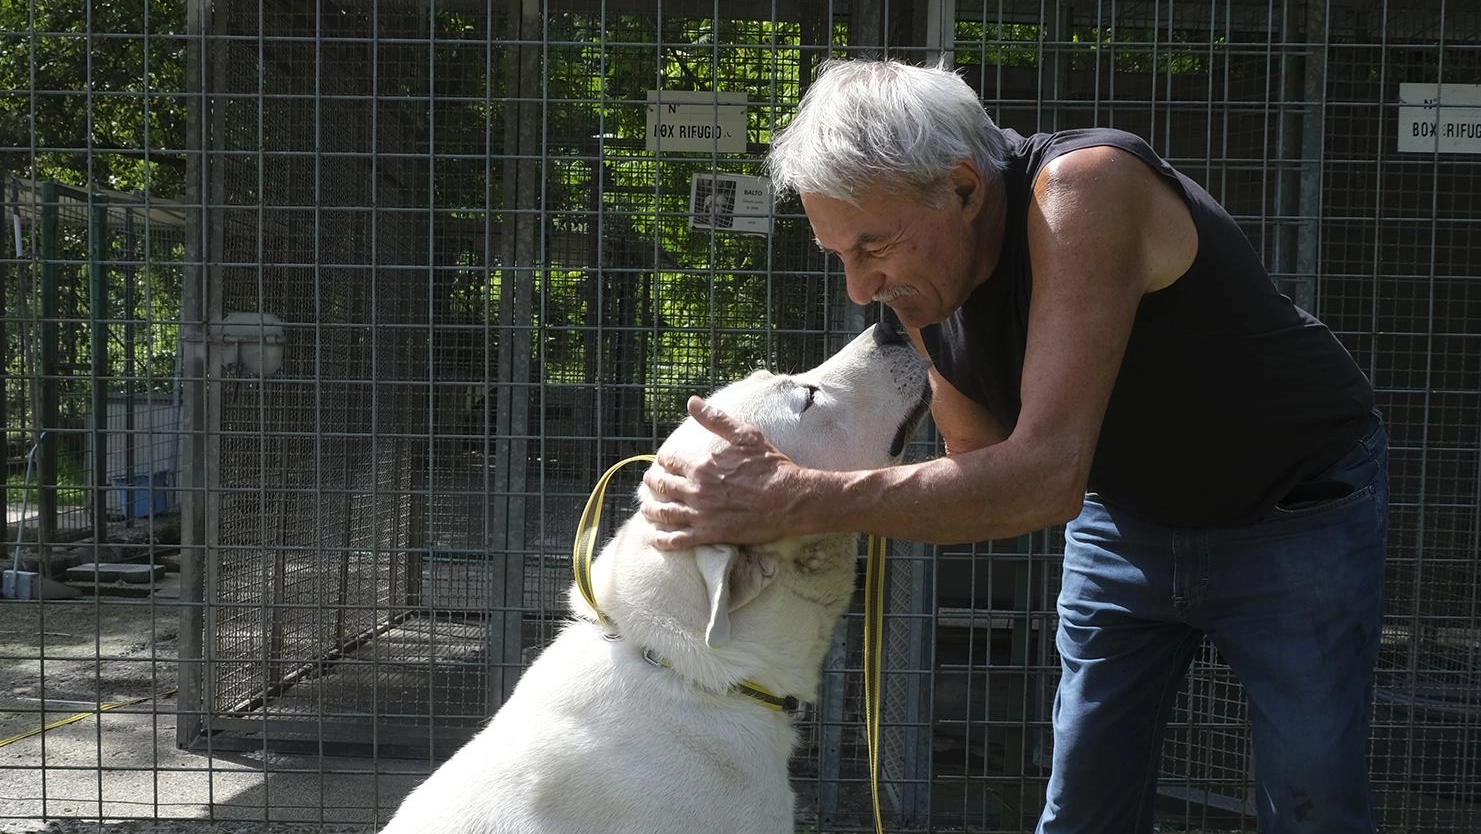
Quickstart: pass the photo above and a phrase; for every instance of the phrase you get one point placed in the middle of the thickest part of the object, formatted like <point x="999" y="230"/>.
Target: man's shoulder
<point x="1072" y="139"/>
<point x="1090" y="152"/>
<point x="1035" y="151"/>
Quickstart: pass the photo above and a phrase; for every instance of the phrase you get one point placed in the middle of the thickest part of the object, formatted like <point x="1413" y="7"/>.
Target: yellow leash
<point x="584" y="550"/>
<point x="874" y="606"/>
<point x="587" y="528"/>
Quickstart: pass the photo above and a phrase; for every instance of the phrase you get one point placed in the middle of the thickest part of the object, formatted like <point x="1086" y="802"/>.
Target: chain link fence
<point x="382" y="287"/>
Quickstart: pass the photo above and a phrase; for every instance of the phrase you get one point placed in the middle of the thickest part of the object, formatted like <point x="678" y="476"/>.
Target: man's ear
<point x="732" y="577"/>
<point x="966" y="185"/>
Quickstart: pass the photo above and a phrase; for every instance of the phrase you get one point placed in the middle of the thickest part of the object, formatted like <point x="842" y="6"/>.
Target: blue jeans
<point x="1294" y="605"/>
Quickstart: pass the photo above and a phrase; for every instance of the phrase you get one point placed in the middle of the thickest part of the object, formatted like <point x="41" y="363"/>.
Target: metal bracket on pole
<point x="252" y="342"/>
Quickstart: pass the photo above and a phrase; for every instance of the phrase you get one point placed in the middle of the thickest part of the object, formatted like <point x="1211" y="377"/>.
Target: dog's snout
<point x="888" y="331"/>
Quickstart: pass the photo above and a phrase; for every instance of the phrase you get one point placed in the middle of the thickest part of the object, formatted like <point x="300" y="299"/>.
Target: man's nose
<point x="862" y="284"/>
<point x="888" y="330"/>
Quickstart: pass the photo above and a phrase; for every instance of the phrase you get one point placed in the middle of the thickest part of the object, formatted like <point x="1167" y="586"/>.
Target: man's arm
<point x="964" y="423"/>
<point x="1103" y="230"/>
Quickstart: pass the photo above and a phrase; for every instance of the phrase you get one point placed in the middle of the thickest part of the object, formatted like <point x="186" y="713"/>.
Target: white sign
<point x="1444" y="118"/>
<point x="730" y="203"/>
<point x="680" y="120"/>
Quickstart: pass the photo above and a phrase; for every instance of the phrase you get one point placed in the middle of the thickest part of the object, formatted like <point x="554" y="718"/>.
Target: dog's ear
<point x="733" y="577"/>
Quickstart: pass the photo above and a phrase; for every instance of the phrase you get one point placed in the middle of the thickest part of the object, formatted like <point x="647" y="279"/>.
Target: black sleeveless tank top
<point x="1228" y="395"/>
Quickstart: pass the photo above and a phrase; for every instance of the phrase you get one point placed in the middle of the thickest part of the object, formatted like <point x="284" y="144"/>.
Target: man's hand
<point x="744" y="493"/>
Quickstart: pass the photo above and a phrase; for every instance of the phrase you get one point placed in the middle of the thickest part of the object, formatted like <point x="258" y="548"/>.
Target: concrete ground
<point x="119" y="771"/>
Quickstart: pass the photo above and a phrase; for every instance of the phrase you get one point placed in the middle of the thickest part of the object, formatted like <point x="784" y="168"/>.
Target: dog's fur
<point x="597" y="740"/>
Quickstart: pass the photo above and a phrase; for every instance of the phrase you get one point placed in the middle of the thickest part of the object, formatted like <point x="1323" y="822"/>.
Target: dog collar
<point x="754" y="691"/>
<point x="750" y="690"/>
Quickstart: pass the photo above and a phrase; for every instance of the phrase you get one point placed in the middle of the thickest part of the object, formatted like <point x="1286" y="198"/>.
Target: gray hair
<point x="866" y="125"/>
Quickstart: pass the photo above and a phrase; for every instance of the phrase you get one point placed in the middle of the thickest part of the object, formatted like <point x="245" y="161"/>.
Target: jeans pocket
<point x="1352" y="478"/>
<point x="1315" y="497"/>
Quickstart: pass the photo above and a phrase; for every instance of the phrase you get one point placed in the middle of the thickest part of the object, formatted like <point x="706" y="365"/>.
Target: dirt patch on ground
<point x="65" y="656"/>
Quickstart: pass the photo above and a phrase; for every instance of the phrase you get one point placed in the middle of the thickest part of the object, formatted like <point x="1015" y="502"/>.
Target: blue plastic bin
<point x="143" y="495"/>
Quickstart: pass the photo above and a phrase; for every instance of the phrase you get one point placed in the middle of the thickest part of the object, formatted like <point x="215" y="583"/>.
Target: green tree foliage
<point x="92" y="94"/>
<point x="628" y="294"/>
<point x="625" y="291"/>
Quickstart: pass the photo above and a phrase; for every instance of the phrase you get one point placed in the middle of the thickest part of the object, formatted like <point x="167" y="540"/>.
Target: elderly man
<point x="1109" y="352"/>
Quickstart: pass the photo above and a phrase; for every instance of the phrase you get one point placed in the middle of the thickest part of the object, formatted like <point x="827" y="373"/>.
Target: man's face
<point x="921" y="260"/>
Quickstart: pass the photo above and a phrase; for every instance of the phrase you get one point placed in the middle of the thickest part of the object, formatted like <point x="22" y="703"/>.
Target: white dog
<point x="659" y="720"/>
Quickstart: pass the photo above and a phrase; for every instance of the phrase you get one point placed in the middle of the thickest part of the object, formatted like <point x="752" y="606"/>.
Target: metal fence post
<point x="98" y="315"/>
<point x="47" y="406"/>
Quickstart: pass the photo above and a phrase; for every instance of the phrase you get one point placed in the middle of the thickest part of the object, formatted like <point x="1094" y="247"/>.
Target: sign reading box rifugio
<point x="682" y="120"/>
<point x="1440" y="118"/>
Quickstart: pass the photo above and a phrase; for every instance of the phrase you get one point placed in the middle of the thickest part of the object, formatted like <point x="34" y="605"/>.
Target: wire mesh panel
<point x="92" y="268"/>
<point x="1202" y="85"/>
<point x="385" y="285"/>
<point x="308" y="356"/>
<point x="516" y="262"/>
<point x="1399" y="228"/>
<point x="90" y="292"/>
<point x="1288" y="114"/>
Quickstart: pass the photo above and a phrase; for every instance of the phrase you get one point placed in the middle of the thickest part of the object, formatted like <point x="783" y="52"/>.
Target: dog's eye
<point x="807" y="393"/>
<point x="800" y="396"/>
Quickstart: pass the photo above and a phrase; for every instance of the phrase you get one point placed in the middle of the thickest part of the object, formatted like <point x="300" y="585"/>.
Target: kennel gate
<point x="483" y="285"/>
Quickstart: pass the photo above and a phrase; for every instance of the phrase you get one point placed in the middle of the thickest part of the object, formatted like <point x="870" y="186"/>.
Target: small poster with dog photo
<point x="730" y="203"/>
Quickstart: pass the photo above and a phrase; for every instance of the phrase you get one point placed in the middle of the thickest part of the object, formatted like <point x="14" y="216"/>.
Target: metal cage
<point x="438" y="262"/>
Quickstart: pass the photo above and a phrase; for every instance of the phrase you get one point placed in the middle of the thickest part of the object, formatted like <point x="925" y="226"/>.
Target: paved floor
<point x="125" y="767"/>
<point x="61" y="659"/>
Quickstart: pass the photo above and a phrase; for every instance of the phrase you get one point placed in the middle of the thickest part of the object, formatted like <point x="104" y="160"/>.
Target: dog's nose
<point x="887" y="331"/>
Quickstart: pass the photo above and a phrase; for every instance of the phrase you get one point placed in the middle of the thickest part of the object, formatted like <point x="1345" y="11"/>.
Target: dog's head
<point x="857" y="410"/>
<point x="854" y="411"/>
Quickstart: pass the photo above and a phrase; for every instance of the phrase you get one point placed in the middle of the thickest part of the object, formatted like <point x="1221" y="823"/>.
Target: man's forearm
<point x="962" y="498"/>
